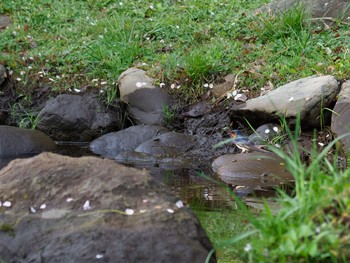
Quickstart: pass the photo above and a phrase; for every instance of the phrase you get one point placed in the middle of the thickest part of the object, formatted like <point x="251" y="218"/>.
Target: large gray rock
<point x="329" y="9"/>
<point x="145" y="101"/>
<point x="307" y="97"/>
<point x="341" y="115"/>
<point x="88" y="209"/>
<point x="20" y="142"/>
<point x="73" y="117"/>
<point x="111" y="144"/>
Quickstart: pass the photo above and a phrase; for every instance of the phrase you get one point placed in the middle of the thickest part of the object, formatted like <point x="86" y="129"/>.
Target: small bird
<point x="243" y="143"/>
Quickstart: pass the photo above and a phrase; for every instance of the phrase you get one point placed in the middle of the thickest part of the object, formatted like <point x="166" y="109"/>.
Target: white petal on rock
<point x="77" y="90"/>
<point x="291" y="98"/>
<point x="6" y="204"/>
<point x="275" y="129"/>
<point x="69" y="199"/>
<point x="138" y="84"/>
<point x="86" y="205"/>
<point x="179" y="204"/>
<point x="144" y="83"/>
<point x="43" y="206"/>
<point x="32" y="209"/>
<point x="169" y="210"/>
<point x="99" y="256"/>
<point x="267" y="131"/>
<point x="129" y="211"/>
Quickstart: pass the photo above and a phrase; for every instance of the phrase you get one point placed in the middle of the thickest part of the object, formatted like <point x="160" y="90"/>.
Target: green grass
<point x="313" y="225"/>
<point x="188" y="42"/>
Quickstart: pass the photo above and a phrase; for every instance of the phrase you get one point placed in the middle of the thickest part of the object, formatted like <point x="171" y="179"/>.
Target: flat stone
<point x="306" y="97"/>
<point x="254" y="170"/>
<point x="112" y="144"/>
<point x="167" y="144"/>
<point x="5" y="21"/>
<point x="95" y="210"/>
<point x="341" y="115"/>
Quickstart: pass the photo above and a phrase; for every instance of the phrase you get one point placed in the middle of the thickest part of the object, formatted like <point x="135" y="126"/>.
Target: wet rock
<point x="145" y="101"/>
<point x="5" y="21"/>
<point x="73" y="117"/>
<point x="90" y="209"/>
<point x="265" y="132"/>
<point x="111" y="144"/>
<point x="328" y="10"/>
<point x="254" y="170"/>
<point x="3" y="74"/>
<point x="167" y="144"/>
<point x="20" y="142"/>
<point x="341" y="115"/>
<point x="144" y="160"/>
<point x="307" y="97"/>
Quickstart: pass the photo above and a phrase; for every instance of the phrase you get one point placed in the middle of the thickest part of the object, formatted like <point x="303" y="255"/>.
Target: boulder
<point x="307" y="97"/>
<point x="329" y="10"/>
<point x="255" y="170"/>
<point x="77" y="118"/>
<point x="16" y="142"/>
<point x="62" y="209"/>
<point x="341" y="115"/>
<point x="111" y="144"/>
<point x="145" y="101"/>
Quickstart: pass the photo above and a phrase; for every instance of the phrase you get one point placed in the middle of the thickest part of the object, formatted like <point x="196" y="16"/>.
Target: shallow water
<point x="198" y="187"/>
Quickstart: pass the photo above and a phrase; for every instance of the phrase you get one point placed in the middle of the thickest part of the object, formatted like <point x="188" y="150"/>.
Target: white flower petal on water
<point x="6" y="204"/>
<point x="129" y="211"/>
<point x="43" y="206"/>
<point x="169" y="210"/>
<point x="32" y="209"/>
<point x="86" y="205"/>
<point x="99" y="256"/>
<point x="138" y="84"/>
<point x="179" y="204"/>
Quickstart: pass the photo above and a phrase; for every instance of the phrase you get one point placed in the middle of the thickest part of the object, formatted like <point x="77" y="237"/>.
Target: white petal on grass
<point x="206" y="85"/>
<point x="22" y="73"/>
<point x="77" y="90"/>
<point x="211" y="85"/>
<point x="320" y="144"/>
<point x="179" y="204"/>
<point x="104" y="83"/>
<point x="86" y="205"/>
<point x="18" y="79"/>
<point x="172" y="86"/>
<point x="169" y="210"/>
<point x="43" y="206"/>
<point x="248" y="247"/>
<point x="129" y="211"/>
<point x="162" y="85"/>
<point x="6" y="204"/>
<point x="94" y="80"/>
